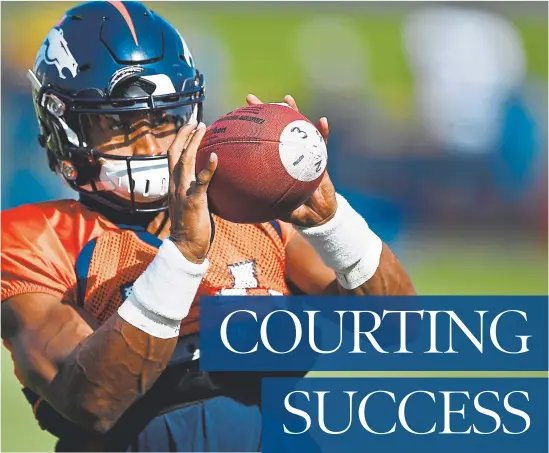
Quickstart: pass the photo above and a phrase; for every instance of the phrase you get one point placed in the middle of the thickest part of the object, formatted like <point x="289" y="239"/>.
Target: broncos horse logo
<point x="55" y="51"/>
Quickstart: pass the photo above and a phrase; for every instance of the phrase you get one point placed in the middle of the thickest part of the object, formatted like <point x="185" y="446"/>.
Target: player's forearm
<point x="118" y="363"/>
<point x="363" y="264"/>
<point x="390" y="279"/>
<point x="107" y="373"/>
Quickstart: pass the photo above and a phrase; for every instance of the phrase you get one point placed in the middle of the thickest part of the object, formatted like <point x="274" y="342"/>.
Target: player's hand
<point x="191" y="228"/>
<point x="322" y="205"/>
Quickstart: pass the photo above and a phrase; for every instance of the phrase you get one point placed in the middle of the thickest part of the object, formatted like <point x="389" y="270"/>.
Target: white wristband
<point x="162" y="295"/>
<point x="347" y="245"/>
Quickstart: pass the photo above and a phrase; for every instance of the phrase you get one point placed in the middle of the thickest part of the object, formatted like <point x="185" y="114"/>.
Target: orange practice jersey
<point x="64" y="249"/>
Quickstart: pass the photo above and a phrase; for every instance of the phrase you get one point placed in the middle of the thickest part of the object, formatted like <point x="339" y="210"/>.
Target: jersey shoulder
<point x="40" y="243"/>
<point x="64" y="219"/>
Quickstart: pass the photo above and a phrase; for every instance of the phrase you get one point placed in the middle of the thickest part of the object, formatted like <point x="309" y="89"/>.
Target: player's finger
<point x="289" y="99"/>
<point x="176" y="148"/>
<point x="323" y="128"/>
<point x="252" y="99"/>
<point x="205" y="176"/>
<point x="188" y="156"/>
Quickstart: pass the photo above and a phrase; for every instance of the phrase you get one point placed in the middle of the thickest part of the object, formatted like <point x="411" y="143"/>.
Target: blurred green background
<point x="255" y="48"/>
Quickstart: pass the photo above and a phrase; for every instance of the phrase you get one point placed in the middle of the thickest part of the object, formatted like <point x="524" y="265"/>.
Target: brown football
<point x="270" y="161"/>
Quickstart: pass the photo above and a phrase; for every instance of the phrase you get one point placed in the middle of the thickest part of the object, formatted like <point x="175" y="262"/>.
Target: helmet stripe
<point x="126" y="15"/>
<point x="58" y="24"/>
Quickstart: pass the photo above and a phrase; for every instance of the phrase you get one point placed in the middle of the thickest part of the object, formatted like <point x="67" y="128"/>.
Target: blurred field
<point x="437" y="267"/>
<point x="260" y="41"/>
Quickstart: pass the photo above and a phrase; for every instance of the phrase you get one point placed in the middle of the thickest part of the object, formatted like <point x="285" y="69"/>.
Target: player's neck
<point x="140" y="219"/>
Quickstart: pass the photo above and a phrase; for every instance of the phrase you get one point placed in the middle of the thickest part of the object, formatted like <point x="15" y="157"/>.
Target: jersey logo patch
<point x="244" y="276"/>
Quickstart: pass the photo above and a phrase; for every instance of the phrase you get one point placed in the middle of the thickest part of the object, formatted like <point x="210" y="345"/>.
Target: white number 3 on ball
<point x="303" y="155"/>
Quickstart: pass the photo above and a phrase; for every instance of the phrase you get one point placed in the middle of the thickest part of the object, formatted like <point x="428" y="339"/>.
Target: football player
<point x="99" y="295"/>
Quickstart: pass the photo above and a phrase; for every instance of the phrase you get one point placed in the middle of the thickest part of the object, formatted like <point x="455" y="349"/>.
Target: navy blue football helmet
<point x="102" y="68"/>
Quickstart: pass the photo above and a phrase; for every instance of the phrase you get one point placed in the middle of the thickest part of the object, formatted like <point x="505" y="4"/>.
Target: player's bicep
<point x="42" y="332"/>
<point x="306" y="270"/>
